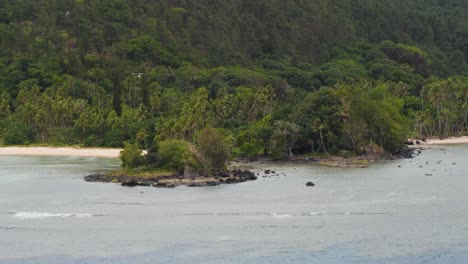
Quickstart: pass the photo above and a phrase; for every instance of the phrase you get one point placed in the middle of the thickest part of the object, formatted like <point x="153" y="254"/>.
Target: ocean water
<point x="415" y="213"/>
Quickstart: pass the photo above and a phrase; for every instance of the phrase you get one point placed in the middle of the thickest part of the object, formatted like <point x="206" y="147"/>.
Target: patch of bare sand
<point x="59" y="151"/>
<point x="451" y="140"/>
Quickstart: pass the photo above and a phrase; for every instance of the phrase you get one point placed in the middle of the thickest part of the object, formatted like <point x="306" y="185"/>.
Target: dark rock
<point x="160" y="185"/>
<point x="97" y="178"/>
<point x="403" y="153"/>
<point x="229" y="181"/>
<point x="267" y="171"/>
<point x="212" y="183"/>
<point x="171" y="181"/>
<point x="130" y="183"/>
<point x="310" y="184"/>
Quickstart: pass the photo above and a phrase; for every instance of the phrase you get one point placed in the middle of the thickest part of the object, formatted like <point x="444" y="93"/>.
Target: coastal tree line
<point x="269" y="78"/>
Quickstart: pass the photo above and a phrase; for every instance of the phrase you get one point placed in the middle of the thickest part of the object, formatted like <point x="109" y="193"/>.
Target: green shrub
<point x="92" y="141"/>
<point x="18" y="134"/>
<point x="131" y="156"/>
<point x="249" y="145"/>
<point x="172" y="154"/>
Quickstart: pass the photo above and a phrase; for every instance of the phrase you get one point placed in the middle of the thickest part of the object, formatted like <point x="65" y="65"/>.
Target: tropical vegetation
<point x="197" y="82"/>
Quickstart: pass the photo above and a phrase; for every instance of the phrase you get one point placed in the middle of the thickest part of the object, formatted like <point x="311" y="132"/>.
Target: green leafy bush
<point x="18" y="134"/>
<point x="131" y="156"/>
<point x="92" y="141"/>
<point x="172" y="154"/>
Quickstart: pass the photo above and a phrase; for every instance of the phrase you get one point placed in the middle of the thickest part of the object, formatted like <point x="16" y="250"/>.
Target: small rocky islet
<point x="235" y="175"/>
<point x="174" y="180"/>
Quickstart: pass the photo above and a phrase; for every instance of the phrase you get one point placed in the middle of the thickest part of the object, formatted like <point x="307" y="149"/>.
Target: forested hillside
<point x="271" y="77"/>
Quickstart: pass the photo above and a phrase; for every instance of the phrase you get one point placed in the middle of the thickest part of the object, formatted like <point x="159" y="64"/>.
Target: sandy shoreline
<point x="114" y="153"/>
<point x="451" y="140"/>
<point x="59" y="151"/>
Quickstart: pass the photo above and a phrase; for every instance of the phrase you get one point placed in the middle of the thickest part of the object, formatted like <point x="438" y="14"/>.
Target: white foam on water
<point x="281" y="215"/>
<point x="317" y="213"/>
<point x="40" y="215"/>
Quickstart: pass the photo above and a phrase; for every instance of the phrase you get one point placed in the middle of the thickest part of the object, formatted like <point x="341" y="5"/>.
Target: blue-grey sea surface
<point x="415" y="213"/>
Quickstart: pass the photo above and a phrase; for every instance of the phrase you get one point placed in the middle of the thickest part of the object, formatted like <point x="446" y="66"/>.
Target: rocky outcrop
<point x="130" y="183"/>
<point x="403" y="153"/>
<point x="97" y="178"/>
<point x="174" y="180"/>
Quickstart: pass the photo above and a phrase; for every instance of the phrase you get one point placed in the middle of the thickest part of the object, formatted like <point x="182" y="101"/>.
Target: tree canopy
<point x="244" y="78"/>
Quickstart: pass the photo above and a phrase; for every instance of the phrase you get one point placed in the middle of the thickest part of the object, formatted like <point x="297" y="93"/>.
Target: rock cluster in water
<point x="404" y="153"/>
<point x="174" y="180"/>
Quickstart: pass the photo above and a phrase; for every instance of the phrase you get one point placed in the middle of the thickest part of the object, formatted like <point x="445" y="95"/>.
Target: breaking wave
<point x="40" y="215"/>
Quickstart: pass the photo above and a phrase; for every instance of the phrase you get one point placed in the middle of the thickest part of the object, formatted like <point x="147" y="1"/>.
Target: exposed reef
<point x="173" y="180"/>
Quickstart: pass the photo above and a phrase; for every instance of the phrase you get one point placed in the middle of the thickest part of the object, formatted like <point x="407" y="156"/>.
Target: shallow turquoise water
<point x="382" y="214"/>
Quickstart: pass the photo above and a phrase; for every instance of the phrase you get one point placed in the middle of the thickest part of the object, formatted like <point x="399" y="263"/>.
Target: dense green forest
<point x="267" y="77"/>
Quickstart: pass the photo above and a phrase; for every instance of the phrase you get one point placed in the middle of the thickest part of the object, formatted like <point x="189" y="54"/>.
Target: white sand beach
<point x="114" y="153"/>
<point x="451" y="140"/>
<point x="59" y="151"/>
